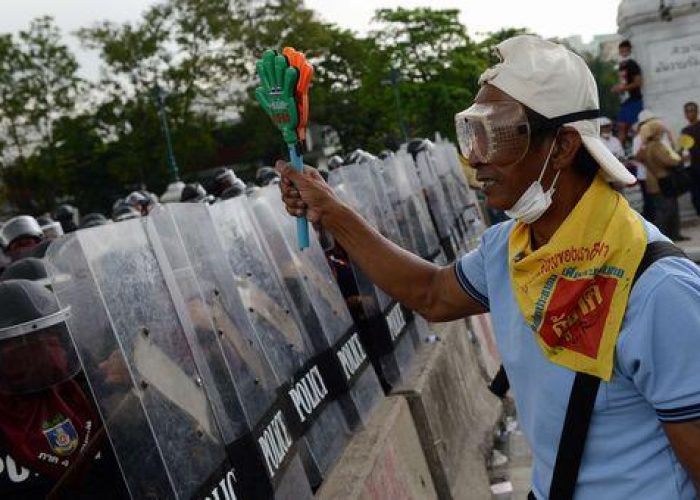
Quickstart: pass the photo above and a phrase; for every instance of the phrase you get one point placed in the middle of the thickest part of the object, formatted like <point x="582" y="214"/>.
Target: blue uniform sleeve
<point x="471" y="273"/>
<point x="661" y="352"/>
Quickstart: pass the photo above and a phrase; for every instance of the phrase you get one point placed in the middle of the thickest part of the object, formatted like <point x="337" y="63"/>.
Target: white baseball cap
<point x="556" y="83"/>
<point x="645" y="115"/>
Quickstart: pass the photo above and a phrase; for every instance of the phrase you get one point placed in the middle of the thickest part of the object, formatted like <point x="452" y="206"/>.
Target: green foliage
<point x="90" y="142"/>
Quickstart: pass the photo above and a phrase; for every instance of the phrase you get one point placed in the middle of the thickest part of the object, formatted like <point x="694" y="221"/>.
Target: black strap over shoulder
<point x="583" y="396"/>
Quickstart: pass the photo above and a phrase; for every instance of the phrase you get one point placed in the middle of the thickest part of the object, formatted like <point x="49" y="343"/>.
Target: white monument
<point x="665" y="37"/>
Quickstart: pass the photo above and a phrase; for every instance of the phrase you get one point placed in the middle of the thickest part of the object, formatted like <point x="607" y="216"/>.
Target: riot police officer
<point x="52" y="441"/>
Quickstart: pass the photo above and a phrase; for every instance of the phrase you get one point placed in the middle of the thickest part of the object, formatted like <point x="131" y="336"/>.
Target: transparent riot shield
<point x="410" y="207"/>
<point x="279" y="313"/>
<point x="226" y="337"/>
<point x="440" y="210"/>
<point x="134" y="346"/>
<point x="464" y="199"/>
<point x="383" y="322"/>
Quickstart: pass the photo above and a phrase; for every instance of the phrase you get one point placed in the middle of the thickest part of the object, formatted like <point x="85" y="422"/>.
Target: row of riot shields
<point x="225" y="363"/>
<point x="452" y="205"/>
<point x="390" y="332"/>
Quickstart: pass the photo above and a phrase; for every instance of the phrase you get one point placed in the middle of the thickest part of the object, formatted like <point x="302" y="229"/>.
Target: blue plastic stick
<point x="302" y="224"/>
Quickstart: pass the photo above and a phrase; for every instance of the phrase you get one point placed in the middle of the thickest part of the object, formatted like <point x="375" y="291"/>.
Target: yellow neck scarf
<point x="573" y="291"/>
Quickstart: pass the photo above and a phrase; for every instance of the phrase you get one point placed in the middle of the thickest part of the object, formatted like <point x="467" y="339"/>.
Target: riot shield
<point x="226" y="337"/>
<point x="464" y="199"/>
<point x="410" y="205"/>
<point x="383" y="322"/>
<point x="441" y="211"/>
<point x="275" y="311"/>
<point x="133" y="344"/>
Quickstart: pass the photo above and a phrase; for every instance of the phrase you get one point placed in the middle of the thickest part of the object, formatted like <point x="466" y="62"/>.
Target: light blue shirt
<point x="656" y="377"/>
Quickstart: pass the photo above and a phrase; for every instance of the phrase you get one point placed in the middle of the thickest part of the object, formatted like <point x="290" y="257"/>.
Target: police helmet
<point x="68" y="216"/>
<point x="20" y="227"/>
<point x="359" y="157"/>
<point x="29" y="268"/>
<point x="266" y="175"/>
<point x="36" y="351"/>
<point x="236" y="189"/>
<point x="193" y="193"/>
<point x="334" y="162"/>
<point x="93" y="219"/>
<point x="125" y="212"/>
<point x="52" y="229"/>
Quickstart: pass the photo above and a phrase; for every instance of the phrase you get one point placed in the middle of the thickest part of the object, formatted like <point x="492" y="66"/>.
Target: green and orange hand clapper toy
<point x="284" y="96"/>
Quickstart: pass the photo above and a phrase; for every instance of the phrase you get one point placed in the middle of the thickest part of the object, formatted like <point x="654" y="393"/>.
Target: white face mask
<point x="534" y="201"/>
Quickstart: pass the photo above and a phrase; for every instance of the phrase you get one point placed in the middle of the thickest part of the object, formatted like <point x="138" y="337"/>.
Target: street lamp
<point x="174" y="189"/>
<point x="393" y="80"/>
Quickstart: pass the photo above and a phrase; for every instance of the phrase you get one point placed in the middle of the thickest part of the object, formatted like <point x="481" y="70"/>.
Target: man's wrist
<point x="334" y="214"/>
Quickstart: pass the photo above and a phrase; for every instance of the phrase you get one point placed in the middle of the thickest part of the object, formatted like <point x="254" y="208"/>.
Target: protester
<point x="692" y="152"/>
<point x="557" y="280"/>
<point x="630" y="90"/>
<point x="659" y="160"/>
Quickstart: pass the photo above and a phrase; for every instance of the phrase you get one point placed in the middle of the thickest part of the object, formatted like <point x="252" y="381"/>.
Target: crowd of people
<point x="666" y="165"/>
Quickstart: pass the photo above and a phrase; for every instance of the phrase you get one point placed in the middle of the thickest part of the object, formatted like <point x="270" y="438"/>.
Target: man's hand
<point x="618" y="87"/>
<point x="306" y="194"/>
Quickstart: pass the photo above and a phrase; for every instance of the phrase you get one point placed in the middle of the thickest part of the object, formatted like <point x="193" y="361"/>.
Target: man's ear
<point x="568" y="144"/>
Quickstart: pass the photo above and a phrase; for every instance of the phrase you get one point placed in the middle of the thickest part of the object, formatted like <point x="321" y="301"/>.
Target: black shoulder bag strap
<point x="582" y="400"/>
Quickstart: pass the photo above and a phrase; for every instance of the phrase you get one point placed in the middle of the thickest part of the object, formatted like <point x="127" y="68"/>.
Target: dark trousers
<point x="667" y="217"/>
<point x="695" y="187"/>
<point x="649" y="211"/>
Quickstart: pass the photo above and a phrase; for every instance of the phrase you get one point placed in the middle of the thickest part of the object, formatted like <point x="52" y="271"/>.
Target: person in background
<point x="689" y="142"/>
<point x="659" y="159"/>
<point x="630" y="90"/>
<point x="612" y="142"/>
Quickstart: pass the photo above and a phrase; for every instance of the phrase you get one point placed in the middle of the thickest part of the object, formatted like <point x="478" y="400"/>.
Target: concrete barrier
<point x="383" y="461"/>
<point x="454" y="412"/>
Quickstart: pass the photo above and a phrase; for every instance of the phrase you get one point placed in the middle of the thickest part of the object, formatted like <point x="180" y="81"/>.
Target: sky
<point x="549" y="18"/>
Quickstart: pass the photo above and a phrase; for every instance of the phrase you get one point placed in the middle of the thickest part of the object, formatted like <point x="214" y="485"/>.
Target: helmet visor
<point x="34" y="359"/>
<point x="495" y="132"/>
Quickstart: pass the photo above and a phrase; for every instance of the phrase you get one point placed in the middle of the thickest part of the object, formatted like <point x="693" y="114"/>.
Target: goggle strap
<point x="588" y="114"/>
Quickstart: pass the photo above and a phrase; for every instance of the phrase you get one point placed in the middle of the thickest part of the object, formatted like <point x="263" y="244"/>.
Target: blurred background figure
<point x="266" y="176"/>
<point x="68" y="216"/>
<point x="630" y="90"/>
<point x="689" y="142"/>
<point x="660" y="159"/>
<point x="20" y="235"/>
<point x="612" y="142"/>
<point x="30" y="268"/>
